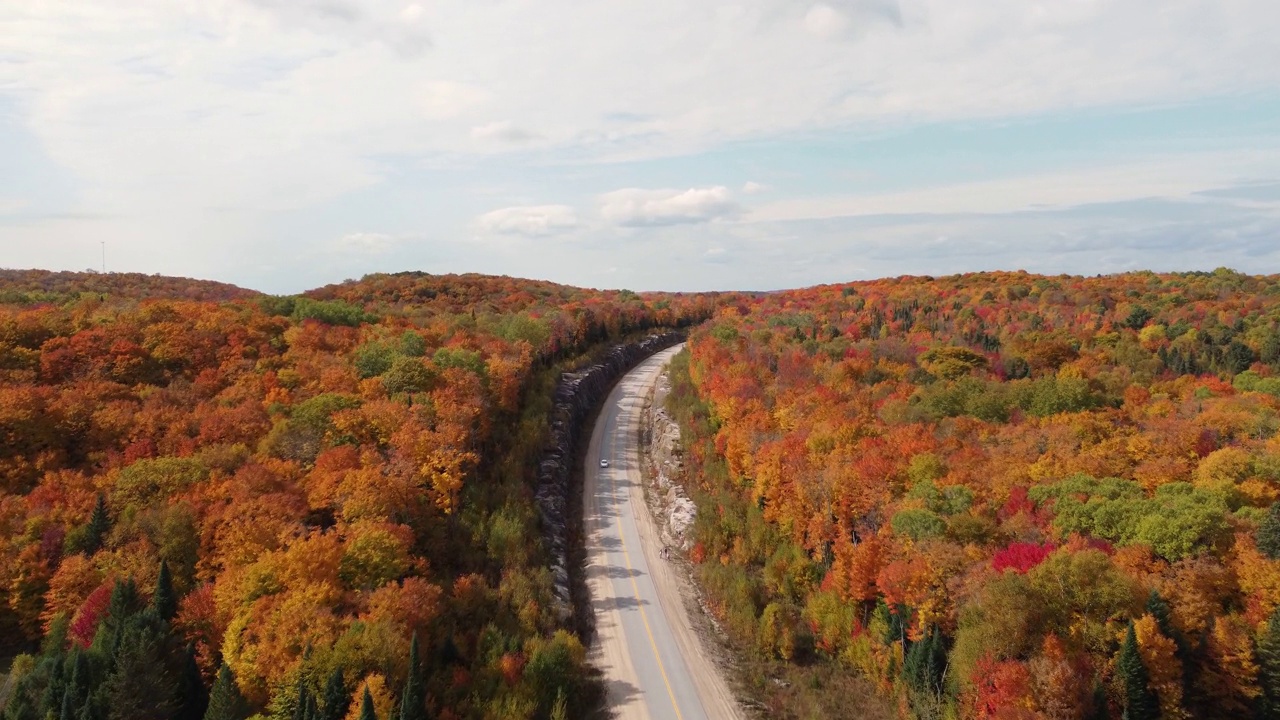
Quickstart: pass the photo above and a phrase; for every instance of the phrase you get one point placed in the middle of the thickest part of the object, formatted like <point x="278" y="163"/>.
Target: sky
<point x="651" y="145"/>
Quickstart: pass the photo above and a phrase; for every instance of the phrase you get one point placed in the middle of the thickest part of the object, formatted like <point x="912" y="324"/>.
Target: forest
<point x="997" y="495"/>
<point x="221" y="504"/>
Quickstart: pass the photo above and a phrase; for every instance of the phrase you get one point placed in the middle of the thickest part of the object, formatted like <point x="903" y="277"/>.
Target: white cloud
<point x="753" y="188"/>
<point x="442" y="99"/>
<point x="502" y="131"/>
<point x="637" y="208"/>
<point x="367" y="243"/>
<point x="411" y="13"/>
<point x="532" y="220"/>
<point x="825" y="21"/>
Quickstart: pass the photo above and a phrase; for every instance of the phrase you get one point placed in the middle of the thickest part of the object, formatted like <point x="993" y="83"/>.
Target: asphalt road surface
<point x="654" y="664"/>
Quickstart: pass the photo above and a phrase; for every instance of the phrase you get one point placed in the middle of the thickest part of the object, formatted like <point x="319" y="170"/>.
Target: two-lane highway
<point x="652" y="661"/>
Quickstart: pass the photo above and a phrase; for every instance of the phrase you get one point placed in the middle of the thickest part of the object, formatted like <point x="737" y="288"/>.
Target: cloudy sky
<point x="647" y="144"/>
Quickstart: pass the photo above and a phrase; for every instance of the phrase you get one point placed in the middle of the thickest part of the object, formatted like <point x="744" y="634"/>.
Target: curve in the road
<point x="652" y="661"/>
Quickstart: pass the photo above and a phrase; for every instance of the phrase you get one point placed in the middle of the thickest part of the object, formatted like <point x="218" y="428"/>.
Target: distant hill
<point x="454" y="293"/>
<point x="25" y="287"/>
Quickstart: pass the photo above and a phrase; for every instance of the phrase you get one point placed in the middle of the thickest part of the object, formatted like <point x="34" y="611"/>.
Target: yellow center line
<point x="635" y="588"/>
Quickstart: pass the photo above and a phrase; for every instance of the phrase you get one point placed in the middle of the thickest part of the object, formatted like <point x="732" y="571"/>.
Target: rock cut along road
<point x="653" y="662"/>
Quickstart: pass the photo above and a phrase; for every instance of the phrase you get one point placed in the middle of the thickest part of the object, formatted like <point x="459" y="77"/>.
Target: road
<point x="653" y="662"/>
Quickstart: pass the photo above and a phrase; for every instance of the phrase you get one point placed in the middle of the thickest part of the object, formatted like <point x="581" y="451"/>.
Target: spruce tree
<point x="55" y="686"/>
<point x="141" y="684"/>
<point x="99" y="526"/>
<point x="925" y="663"/>
<point x="78" y="686"/>
<point x="412" y="703"/>
<point x="124" y="603"/>
<point x="1159" y="609"/>
<point x="1140" y="702"/>
<point x="20" y="705"/>
<point x="1269" y="668"/>
<point x="1268" y="533"/>
<point x="560" y="709"/>
<point x="300" y="703"/>
<point x="193" y="699"/>
<point x="225" y="701"/>
<point x="366" y="706"/>
<point x="164" y="600"/>
<point x="336" y="699"/>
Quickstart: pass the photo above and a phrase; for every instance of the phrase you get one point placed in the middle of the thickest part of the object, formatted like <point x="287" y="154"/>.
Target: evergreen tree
<point x="225" y="701"/>
<point x="366" y="707"/>
<point x="78" y="686"/>
<point x="1159" y="609"/>
<point x="55" y="685"/>
<point x="193" y="699"/>
<point x="99" y="526"/>
<point x="1268" y="533"/>
<point x="164" y="600"/>
<point x="560" y="710"/>
<point x="300" y="703"/>
<point x="140" y="684"/>
<point x="21" y="706"/>
<point x="1140" y="702"/>
<point x="1269" y="668"/>
<point x="926" y="662"/>
<point x="123" y="605"/>
<point x="336" y="699"/>
<point x="86" y="710"/>
<point x="412" y="703"/>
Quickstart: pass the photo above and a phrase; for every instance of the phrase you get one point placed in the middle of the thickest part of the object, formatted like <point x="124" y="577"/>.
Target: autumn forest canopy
<point x="993" y="495"/>
<point x="1000" y="495"/>
<point x="214" y="501"/>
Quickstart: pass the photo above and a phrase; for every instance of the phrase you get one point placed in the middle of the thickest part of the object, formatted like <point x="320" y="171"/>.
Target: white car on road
<point x="604" y="463"/>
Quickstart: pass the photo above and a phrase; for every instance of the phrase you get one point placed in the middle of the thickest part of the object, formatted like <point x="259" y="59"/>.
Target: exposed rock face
<point x="577" y="395"/>
<point x="672" y="508"/>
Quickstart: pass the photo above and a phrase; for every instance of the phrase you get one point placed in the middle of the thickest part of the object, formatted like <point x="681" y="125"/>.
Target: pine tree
<point x="20" y="705"/>
<point x="926" y="662"/>
<point x="141" y="684"/>
<point x="1140" y="702"/>
<point x="1268" y="533"/>
<point x="412" y="703"/>
<point x="124" y="603"/>
<point x="99" y="526"/>
<point x="560" y="710"/>
<point x="78" y="686"/>
<point x="1269" y="667"/>
<point x="55" y="686"/>
<point x="164" y="600"/>
<point x="1159" y="609"/>
<point x="336" y="699"/>
<point x="366" y="707"/>
<point x="225" y="701"/>
<point x="300" y="706"/>
<point x="193" y="699"/>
